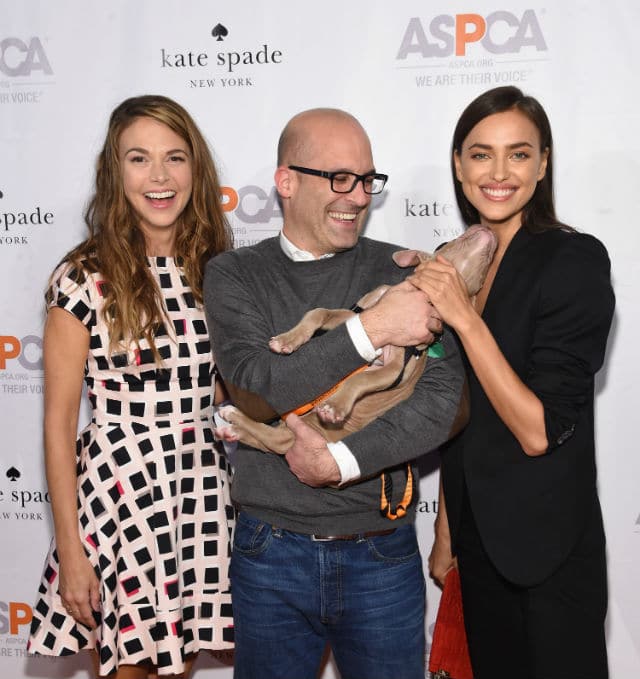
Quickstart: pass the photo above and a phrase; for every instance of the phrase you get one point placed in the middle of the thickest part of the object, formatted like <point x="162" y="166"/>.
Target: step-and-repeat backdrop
<point x="406" y="70"/>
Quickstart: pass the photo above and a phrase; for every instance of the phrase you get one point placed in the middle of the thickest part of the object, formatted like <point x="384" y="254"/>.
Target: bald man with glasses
<point x="314" y="560"/>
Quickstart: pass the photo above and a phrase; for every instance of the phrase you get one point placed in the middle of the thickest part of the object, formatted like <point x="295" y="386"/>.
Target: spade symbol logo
<point x="219" y="32"/>
<point x="13" y="474"/>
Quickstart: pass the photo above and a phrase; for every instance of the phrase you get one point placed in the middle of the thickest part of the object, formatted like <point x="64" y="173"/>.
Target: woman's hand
<point x="441" y="561"/>
<point x="79" y="589"/>
<point x="446" y="290"/>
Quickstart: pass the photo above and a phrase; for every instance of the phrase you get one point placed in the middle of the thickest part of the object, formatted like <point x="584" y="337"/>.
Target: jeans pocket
<point x="400" y="546"/>
<point x="251" y="536"/>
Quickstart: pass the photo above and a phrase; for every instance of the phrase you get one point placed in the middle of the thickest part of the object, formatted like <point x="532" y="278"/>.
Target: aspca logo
<point x="27" y="351"/>
<point x="19" y="58"/>
<point x="500" y="32"/>
<point x="252" y="204"/>
<point x="13" y="616"/>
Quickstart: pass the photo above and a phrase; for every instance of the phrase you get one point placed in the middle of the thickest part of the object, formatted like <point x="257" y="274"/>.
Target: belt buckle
<point x="326" y="538"/>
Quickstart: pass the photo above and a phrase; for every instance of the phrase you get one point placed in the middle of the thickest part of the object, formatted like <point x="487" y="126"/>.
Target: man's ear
<point x="283" y="180"/>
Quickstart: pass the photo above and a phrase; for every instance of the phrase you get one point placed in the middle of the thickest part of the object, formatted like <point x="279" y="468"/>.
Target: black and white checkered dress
<point x="153" y="494"/>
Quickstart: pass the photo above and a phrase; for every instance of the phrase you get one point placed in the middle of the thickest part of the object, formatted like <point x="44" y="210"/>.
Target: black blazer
<point x="550" y="310"/>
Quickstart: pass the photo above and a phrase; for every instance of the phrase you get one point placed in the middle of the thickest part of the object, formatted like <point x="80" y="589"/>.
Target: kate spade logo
<point x="219" y="32"/>
<point x="13" y="474"/>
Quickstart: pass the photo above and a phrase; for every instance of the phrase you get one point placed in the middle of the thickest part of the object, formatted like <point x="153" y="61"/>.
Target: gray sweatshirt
<point x="253" y="293"/>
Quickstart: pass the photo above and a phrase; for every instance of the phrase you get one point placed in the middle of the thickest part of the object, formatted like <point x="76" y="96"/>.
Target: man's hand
<point x="309" y="458"/>
<point x="403" y="317"/>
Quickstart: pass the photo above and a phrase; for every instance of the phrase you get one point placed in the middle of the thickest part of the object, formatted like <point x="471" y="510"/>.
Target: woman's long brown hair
<point x="115" y="246"/>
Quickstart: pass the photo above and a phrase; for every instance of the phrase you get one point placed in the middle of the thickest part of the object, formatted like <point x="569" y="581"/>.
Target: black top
<point x="550" y="310"/>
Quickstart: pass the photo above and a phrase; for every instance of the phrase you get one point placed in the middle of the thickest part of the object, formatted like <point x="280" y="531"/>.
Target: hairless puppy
<point x="368" y="393"/>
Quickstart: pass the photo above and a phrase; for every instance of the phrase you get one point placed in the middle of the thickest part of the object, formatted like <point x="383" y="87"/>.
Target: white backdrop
<point x="406" y="69"/>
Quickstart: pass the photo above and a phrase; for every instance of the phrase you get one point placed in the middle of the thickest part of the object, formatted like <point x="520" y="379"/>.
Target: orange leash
<point x="387" y="484"/>
<point x="386" y="492"/>
<point x="303" y="409"/>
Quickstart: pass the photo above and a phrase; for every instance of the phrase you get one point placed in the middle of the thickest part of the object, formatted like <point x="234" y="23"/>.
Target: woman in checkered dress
<point x="137" y="571"/>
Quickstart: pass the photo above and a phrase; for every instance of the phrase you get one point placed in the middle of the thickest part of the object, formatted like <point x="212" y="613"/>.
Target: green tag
<point x="436" y="350"/>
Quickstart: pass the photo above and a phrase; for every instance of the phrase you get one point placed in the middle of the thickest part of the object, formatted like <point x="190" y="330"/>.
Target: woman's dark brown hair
<point x="539" y="214"/>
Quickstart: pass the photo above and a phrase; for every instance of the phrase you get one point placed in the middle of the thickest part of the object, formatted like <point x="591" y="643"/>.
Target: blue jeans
<point x="292" y="596"/>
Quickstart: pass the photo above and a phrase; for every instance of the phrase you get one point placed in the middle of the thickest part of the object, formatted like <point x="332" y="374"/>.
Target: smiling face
<point x="315" y="218"/>
<point x="156" y="176"/>
<point x="499" y="166"/>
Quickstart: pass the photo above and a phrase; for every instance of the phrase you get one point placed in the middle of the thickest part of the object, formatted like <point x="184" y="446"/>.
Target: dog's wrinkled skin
<point x="362" y="397"/>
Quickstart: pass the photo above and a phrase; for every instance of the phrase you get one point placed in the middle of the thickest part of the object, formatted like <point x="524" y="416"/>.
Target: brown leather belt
<point x="353" y="536"/>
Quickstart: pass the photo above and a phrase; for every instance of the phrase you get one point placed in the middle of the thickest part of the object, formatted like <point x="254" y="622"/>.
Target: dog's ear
<point x="406" y="258"/>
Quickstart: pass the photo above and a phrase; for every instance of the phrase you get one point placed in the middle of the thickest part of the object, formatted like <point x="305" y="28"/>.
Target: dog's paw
<point x="279" y="346"/>
<point x="329" y="414"/>
<point x="223" y="428"/>
<point x="227" y="413"/>
<point x="290" y="341"/>
<point x="226" y="433"/>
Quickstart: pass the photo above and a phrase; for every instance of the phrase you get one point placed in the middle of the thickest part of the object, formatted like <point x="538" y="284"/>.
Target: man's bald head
<point x="314" y="146"/>
<point x="296" y="143"/>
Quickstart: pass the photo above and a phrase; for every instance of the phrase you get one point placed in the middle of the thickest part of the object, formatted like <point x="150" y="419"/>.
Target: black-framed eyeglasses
<point x="345" y="182"/>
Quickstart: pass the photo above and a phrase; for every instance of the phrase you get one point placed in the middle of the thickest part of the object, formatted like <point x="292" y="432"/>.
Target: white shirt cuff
<point x="361" y="340"/>
<point x="347" y="463"/>
<point x="230" y="447"/>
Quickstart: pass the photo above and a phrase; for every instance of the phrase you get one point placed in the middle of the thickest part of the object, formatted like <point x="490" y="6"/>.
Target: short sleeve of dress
<point x="69" y="289"/>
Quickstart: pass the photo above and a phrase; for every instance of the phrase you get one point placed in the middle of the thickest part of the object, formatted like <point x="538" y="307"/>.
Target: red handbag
<point x="449" y="658"/>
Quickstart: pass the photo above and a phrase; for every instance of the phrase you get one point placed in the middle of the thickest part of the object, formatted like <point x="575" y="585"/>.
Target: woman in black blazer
<point x="520" y="509"/>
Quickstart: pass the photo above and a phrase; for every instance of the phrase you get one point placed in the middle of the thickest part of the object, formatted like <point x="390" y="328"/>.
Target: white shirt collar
<point x="295" y="253"/>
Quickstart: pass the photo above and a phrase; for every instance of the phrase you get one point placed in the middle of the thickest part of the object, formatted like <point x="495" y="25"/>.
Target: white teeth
<point x="343" y="216"/>
<point x="158" y="195"/>
<point x="498" y="193"/>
